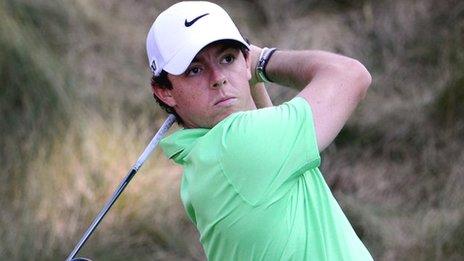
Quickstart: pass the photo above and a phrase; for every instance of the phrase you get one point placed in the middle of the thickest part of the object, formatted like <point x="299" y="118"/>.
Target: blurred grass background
<point x="76" y="111"/>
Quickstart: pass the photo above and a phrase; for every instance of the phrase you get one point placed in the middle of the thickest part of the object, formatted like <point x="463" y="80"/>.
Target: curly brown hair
<point x="163" y="82"/>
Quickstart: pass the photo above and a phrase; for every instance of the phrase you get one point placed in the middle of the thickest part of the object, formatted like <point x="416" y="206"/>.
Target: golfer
<point x="251" y="182"/>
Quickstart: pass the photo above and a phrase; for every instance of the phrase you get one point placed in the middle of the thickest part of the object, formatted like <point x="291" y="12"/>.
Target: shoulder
<point x="295" y="110"/>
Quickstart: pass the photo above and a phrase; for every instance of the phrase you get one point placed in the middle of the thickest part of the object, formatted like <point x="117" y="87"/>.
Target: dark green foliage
<point x="35" y="94"/>
<point x="353" y="135"/>
<point x="453" y="243"/>
<point x="49" y="20"/>
<point x="449" y="107"/>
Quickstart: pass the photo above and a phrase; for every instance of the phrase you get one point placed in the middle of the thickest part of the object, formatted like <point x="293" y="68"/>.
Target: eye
<point x="228" y="58"/>
<point x="192" y="71"/>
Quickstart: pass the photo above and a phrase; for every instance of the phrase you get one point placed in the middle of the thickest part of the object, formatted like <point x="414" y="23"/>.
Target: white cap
<point x="182" y="30"/>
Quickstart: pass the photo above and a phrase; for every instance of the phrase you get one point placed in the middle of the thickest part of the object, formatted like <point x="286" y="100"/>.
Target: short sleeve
<point x="266" y="148"/>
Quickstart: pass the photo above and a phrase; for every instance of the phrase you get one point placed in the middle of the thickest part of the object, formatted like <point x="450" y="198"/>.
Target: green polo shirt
<point x="252" y="187"/>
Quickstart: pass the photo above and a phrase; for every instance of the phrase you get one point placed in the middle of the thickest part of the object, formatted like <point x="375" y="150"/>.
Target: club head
<point x="81" y="259"/>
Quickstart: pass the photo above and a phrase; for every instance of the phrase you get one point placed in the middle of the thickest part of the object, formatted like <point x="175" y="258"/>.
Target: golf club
<point x="148" y="150"/>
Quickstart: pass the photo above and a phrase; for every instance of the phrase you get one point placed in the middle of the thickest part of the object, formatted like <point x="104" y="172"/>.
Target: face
<point x="214" y="86"/>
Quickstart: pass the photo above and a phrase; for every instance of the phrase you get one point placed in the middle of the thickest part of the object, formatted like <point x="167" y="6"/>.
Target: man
<point x="251" y="183"/>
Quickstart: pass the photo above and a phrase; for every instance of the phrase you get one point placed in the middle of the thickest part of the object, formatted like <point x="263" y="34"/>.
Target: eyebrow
<point x="220" y="50"/>
<point x="224" y="48"/>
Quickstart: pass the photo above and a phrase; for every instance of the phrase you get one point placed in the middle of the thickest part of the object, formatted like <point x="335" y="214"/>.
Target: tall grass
<point x="65" y="147"/>
<point x="76" y="112"/>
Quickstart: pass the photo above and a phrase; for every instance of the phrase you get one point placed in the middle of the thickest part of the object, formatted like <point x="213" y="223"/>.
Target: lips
<point x="224" y="100"/>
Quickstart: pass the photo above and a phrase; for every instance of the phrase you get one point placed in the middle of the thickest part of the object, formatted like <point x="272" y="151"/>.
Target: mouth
<point x="225" y="101"/>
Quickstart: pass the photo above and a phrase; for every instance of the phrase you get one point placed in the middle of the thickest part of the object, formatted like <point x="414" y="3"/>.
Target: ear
<point x="164" y="94"/>
<point x="248" y="65"/>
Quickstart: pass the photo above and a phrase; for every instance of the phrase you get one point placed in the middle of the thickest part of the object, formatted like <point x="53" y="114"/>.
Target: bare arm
<point x="332" y="84"/>
<point x="260" y="95"/>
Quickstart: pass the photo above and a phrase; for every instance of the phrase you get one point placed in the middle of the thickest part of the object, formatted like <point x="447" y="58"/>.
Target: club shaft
<point x="148" y="150"/>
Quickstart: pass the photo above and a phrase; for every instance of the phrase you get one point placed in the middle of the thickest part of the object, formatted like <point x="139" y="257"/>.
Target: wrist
<point x="264" y="57"/>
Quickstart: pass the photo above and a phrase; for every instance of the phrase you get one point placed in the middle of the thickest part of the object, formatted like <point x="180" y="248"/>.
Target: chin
<point x="222" y="116"/>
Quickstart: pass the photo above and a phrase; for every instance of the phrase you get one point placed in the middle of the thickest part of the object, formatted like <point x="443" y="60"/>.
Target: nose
<point x="218" y="79"/>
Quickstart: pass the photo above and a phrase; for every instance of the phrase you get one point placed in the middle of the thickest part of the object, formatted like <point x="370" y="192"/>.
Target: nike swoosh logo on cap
<point x="188" y="24"/>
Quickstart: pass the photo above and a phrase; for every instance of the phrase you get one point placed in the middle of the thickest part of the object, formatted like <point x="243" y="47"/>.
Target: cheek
<point x="190" y="99"/>
<point x="241" y="71"/>
<point x="241" y="78"/>
<point x="248" y="73"/>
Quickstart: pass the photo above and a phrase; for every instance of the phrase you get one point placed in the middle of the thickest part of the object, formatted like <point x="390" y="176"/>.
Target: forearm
<point x="260" y="95"/>
<point x="296" y="69"/>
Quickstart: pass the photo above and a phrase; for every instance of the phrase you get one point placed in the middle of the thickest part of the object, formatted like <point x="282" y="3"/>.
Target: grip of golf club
<point x="156" y="139"/>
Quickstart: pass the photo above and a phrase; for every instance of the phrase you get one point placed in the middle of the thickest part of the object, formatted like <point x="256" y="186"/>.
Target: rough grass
<point x="77" y="111"/>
